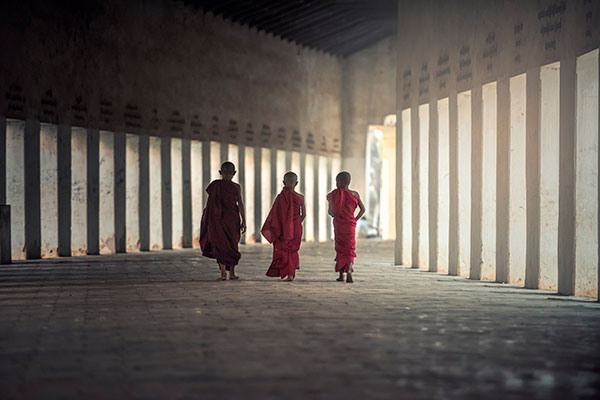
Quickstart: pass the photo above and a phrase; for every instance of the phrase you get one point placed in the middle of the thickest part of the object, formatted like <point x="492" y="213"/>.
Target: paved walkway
<point x="159" y="326"/>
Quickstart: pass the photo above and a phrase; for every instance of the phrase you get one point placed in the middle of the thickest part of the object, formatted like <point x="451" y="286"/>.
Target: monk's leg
<point x="341" y="277"/>
<point x="223" y="273"/>
<point x="349" y="272"/>
<point x="232" y="274"/>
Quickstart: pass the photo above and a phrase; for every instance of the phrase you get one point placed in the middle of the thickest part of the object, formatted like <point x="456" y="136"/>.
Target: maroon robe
<point x="343" y="203"/>
<point x="283" y="228"/>
<point x="220" y="226"/>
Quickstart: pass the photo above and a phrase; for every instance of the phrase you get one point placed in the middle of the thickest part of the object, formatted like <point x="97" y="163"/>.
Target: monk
<point x="283" y="228"/>
<point x="342" y="206"/>
<point x="223" y="221"/>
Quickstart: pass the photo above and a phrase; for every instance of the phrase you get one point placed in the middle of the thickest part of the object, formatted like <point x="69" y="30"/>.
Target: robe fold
<point x="343" y="204"/>
<point x="220" y="225"/>
<point x="283" y="228"/>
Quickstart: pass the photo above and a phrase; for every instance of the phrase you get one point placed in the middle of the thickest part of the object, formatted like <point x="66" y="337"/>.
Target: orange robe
<point x="220" y="226"/>
<point x="283" y="228"/>
<point x="343" y="203"/>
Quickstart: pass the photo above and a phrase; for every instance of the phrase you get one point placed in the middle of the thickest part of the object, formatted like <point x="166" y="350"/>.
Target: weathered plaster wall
<point x="165" y="69"/>
<point x="369" y="95"/>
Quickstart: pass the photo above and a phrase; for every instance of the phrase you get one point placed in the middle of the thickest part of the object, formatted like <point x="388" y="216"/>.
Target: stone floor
<point x="158" y="326"/>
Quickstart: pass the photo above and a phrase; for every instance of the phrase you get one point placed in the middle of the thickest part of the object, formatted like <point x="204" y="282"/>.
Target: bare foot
<point x="222" y="278"/>
<point x="289" y="279"/>
<point x="349" y="278"/>
<point x="233" y="277"/>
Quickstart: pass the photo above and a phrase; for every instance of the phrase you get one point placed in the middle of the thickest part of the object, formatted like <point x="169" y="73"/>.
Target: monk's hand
<point x="243" y="227"/>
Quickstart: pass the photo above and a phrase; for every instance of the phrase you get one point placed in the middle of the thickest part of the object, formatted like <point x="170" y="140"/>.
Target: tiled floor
<point x="159" y="326"/>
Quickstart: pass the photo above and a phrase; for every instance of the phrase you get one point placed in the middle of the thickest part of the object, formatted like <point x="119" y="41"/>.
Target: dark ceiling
<point x="340" y="27"/>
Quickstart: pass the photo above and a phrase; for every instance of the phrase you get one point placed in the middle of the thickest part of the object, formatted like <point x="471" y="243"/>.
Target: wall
<point x="534" y="126"/>
<point x="368" y="97"/>
<point x="164" y="69"/>
<point x="147" y="99"/>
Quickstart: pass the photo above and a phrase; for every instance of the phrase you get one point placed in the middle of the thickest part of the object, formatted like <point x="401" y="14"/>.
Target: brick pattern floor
<point x="158" y="326"/>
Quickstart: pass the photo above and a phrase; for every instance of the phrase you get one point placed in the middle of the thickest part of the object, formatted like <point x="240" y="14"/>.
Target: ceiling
<point x="339" y="27"/>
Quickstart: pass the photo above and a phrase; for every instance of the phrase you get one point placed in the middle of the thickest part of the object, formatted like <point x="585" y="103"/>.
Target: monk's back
<point x="226" y="193"/>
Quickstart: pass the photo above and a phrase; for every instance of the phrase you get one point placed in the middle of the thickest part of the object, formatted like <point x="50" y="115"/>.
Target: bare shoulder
<point x="355" y="193"/>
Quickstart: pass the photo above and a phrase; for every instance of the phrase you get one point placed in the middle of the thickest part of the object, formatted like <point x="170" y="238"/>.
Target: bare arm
<point x="302" y="212"/>
<point x="242" y="213"/>
<point x="361" y="206"/>
<point x="330" y="209"/>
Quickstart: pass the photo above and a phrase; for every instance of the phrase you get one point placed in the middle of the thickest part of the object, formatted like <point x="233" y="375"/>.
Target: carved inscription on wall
<point x="296" y="140"/>
<point x="337" y="146"/>
<point x="196" y="126"/>
<point x="281" y="138"/>
<point x="465" y="67"/>
<point x="176" y="122"/>
<point x="214" y="129"/>
<point x="424" y="81"/>
<point x="406" y="84"/>
<point x="551" y="20"/>
<point x="249" y="134"/>
<point x="16" y="100"/>
<point x="490" y="50"/>
<point x="518" y="35"/>
<point x="310" y="141"/>
<point x="443" y="70"/>
<point x="106" y="111"/>
<point x="589" y="18"/>
<point x="232" y="131"/>
<point x="132" y="116"/>
<point x="48" y="107"/>
<point x="323" y="147"/>
<point x="155" y="120"/>
<point x="265" y="135"/>
<point x="79" y="110"/>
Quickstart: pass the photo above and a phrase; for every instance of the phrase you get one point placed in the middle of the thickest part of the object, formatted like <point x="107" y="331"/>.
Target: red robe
<point x="283" y="228"/>
<point x="343" y="203"/>
<point x="220" y="226"/>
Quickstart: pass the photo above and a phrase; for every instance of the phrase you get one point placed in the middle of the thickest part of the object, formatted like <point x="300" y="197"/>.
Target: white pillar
<point x="233" y="152"/>
<point x="177" y="193"/>
<point x="15" y="185"/>
<point x="280" y="170"/>
<point x="423" y="186"/>
<point x="132" y="192"/>
<point x="197" y="190"/>
<point x="49" y="192"/>
<point x="249" y="188"/>
<point x="156" y="234"/>
<point x="323" y="216"/>
<point x="443" y="185"/>
<point x="586" y="181"/>
<point x="79" y="192"/>
<point x="488" y="193"/>
<point x="215" y="161"/>
<point x="107" y="191"/>
<point x="518" y="190"/>
<point x="309" y="198"/>
<point x="549" y="161"/>
<point x="464" y="182"/>
<point x="406" y="188"/>
<point x="265" y="184"/>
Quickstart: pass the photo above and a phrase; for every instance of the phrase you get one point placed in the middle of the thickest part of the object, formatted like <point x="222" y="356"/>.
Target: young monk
<point x="222" y="222"/>
<point x="342" y="205"/>
<point x="283" y="228"/>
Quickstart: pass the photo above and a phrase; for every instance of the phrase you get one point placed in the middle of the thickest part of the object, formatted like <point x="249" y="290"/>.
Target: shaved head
<point x="344" y="178"/>
<point x="227" y="166"/>
<point x="290" y="178"/>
